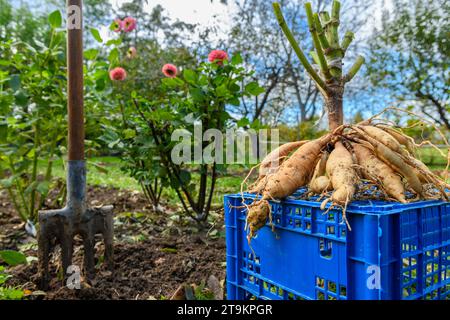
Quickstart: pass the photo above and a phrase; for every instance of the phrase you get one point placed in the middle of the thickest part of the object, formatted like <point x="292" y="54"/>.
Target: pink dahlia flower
<point x="131" y="52"/>
<point x="117" y="25"/>
<point x="169" y="70"/>
<point x="217" y="56"/>
<point x="129" y="24"/>
<point x="118" y="74"/>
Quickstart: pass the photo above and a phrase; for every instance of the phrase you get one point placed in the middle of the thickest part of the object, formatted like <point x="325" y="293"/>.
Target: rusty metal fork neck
<point x="76" y="187"/>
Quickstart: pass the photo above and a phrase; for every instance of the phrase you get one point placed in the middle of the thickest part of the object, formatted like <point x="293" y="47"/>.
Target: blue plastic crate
<point x="394" y="251"/>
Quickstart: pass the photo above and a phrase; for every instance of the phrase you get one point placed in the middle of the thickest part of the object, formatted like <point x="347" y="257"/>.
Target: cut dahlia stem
<point x="325" y="17"/>
<point x="354" y="69"/>
<point x="334" y="23"/>
<point x="328" y="56"/>
<point x="348" y="38"/>
<point x="287" y="32"/>
<point x="317" y="45"/>
<point x="313" y="55"/>
<point x="320" y="32"/>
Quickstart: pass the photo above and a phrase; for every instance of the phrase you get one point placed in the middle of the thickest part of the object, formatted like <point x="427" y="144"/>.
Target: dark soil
<point x="154" y="253"/>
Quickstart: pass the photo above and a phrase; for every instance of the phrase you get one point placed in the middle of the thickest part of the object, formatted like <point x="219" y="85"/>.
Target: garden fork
<point x="62" y="225"/>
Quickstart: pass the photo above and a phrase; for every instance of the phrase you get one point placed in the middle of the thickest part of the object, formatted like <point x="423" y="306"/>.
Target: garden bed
<point x="154" y="253"/>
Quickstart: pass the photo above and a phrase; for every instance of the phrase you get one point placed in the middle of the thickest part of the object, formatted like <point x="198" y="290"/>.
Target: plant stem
<point x="321" y="32"/>
<point x="16" y="204"/>
<point x="354" y="69"/>
<point x="325" y="17"/>
<point x="287" y="32"/>
<point x="322" y="62"/>
<point x="348" y="38"/>
<point x="313" y="55"/>
<point x="335" y="24"/>
<point x="34" y="172"/>
<point x="19" y="186"/>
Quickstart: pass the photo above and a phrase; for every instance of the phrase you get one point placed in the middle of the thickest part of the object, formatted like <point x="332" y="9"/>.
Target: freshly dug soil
<point x="153" y="254"/>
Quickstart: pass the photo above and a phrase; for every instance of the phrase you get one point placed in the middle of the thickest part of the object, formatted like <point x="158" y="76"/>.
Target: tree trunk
<point x="333" y="104"/>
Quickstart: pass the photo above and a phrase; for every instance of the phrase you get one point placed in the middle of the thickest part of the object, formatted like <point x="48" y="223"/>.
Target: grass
<point x="432" y="158"/>
<point x="113" y="178"/>
<point x="116" y="178"/>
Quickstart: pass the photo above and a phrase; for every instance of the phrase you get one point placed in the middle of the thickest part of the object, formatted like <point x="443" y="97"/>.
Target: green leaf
<point x="113" y="55"/>
<point x="116" y="42"/>
<point x="185" y="176"/>
<point x="43" y="187"/>
<point x="237" y="59"/>
<point x="190" y="76"/>
<point x="21" y="98"/>
<point x="222" y="90"/>
<point x="197" y="94"/>
<point x="91" y="54"/>
<point x="14" y="82"/>
<point x="129" y="133"/>
<point x="3" y="133"/>
<point x="13" y="258"/>
<point x="55" y="19"/>
<point x="234" y="87"/>
<point x="243" y="122"/>
<point x="96" y="34"/>
<point x="234" y="101"/>
<point x="254" y="89"/>
<point x="7" y="182"/>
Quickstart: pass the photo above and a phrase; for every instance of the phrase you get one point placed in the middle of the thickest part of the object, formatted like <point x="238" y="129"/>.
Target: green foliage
<point x="32" y="100"/>
<point x="13" y="258"/>
<point x="304" y="131"/>
<point x="151" y="110"/>
<point x="96" y="34"/>
<point x="201" y="292"/>
<point x="55" y="19"/>
<point x="6" y="292"/>
<point x="409" y="56"/>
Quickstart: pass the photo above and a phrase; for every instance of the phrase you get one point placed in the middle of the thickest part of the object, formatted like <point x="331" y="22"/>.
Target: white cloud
<point x="202" y="12"/>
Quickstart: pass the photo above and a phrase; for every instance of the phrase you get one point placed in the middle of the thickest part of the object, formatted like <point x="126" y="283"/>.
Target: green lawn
<point x="117" y="179"/>
<point x="113" y="178"/>
<point x="432" y="158"/>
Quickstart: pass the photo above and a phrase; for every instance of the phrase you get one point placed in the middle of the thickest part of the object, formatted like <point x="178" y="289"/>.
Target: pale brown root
<point x="342" y="174"/>
<point x="319" y="185"/>
<point x="344" y="213"/>
<point x="383" y="137"/>
<point x="426" y="176"/>
<point x="374" y="168"/>
<point x="394" y="160"/>
<point x="247" y="177"/>
<point x="274" y="159"/>
<point x="296" y="171"/>
<point x="430" y="123"/>
<point x="319" y="182"/>
<point x="402" y="138"/>
<point x="257" y="217"/>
